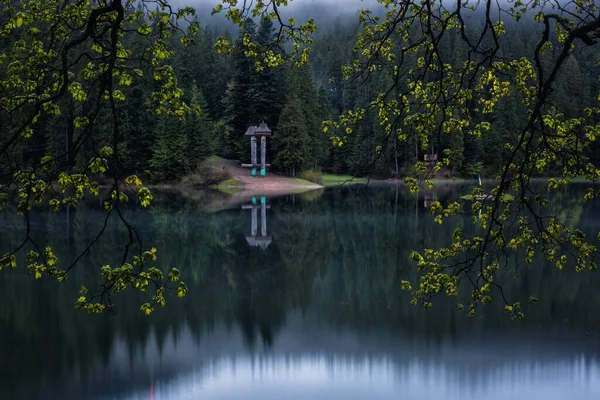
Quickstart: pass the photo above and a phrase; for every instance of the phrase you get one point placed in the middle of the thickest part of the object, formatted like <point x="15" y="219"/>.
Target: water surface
<point x="312" y="310"/>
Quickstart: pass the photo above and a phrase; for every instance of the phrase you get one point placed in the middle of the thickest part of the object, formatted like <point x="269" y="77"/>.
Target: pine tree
<point x="169" y="149"/>
<point x="242" y="96"/>
<point x="199" y="131"/>
<point x="269" y="82"/>
<point x="292" y="138"/>
<point x="457" y="151"/>
<point x="252" y="95"/>
<point x="570" y="90"/>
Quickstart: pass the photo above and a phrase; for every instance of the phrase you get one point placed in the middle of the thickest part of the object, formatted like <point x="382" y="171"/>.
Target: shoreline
<point x="242" y="181"/>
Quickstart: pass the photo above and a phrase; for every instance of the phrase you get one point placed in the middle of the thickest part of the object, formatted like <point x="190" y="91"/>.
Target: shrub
<point x="312" y="176"/>
<point x="217" y="176"/>
<point x="206" y="176"/>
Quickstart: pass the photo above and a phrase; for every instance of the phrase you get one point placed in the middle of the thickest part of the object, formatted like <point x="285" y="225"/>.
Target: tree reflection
<point x="337" y="260"/>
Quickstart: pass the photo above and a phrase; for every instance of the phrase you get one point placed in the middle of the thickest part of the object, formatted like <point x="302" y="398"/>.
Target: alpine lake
<point x="301" y="300"/>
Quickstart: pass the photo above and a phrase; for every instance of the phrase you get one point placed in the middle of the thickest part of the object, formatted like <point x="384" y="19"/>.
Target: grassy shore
<point x="303" y="182"/>
<point x="329" y="180"/>
<point x="230" y="186"/>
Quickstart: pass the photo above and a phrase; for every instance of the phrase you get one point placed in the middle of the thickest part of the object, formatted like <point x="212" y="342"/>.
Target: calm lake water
<point x="316" y="314"/>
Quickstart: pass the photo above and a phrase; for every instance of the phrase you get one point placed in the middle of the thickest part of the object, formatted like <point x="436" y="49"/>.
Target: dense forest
<point x="226" y="94"/>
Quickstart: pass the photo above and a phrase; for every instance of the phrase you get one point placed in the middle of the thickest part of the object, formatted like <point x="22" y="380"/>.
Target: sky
<point x="345" y="3"/>
<point x="320" y="10"/>
<point x="336" y="6"/>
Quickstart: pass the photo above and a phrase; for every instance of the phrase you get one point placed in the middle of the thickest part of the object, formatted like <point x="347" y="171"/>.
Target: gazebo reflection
<point x="263" y="241"/>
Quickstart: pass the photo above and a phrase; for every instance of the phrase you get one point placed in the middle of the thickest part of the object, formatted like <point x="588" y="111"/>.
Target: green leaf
<point x="147" y="308"/>
<point x="182" y="290"/>
<point x="174" y="275"/>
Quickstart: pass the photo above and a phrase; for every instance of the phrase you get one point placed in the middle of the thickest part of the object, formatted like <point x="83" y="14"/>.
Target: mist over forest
<point x="324" y="12"/>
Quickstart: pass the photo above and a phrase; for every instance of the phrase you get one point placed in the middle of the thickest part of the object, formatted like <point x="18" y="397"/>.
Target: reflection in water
<point x="263" y="241"/>
<point x="319" y="363"/>
<point x="317" y="313"/>
<point x="315" y="377"/>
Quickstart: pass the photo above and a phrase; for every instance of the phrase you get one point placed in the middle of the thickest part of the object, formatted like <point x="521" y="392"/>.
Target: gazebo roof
<point x="261" y="130"/>
<point x="261" y="241"/>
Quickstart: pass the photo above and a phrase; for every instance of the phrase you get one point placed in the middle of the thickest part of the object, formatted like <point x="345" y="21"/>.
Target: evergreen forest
<point x="226" y="93"/>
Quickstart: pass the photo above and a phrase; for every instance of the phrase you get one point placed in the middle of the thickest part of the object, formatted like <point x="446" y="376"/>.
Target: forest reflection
<point x="322" y="297"/>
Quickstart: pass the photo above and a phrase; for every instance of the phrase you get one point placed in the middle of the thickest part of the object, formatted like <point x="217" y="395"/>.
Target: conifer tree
<point x="199" y="131"/>
<point x="292" y="138"/>
<point x="169" y="149"/>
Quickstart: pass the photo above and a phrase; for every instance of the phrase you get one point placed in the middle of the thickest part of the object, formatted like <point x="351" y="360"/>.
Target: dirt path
<point x="271" y="185"/>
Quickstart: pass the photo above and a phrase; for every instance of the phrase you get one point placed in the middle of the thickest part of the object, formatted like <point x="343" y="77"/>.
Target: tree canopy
<point x="433" y="95"/>
<point x="83" y="60"/>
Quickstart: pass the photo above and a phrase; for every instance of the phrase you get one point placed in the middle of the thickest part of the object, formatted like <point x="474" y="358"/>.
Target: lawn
<point x="335" y="180"/>
<point x="230" y="186"/>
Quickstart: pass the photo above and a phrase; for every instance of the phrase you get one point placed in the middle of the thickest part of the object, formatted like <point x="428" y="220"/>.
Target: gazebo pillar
<point x="254" y="217"/>
<point x="263" y="156"/>
<point x="263" y="216"/>
<point x="253" y="153"/>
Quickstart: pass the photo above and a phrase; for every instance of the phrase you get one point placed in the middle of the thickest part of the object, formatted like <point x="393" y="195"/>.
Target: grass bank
<point x="303" y="182"/>
<point x="330" y="180"/>
<point x="230" y="186"/>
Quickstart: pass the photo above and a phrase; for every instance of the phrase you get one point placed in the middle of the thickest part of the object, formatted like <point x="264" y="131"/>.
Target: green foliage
<point x="428" y="83"/>
<point x="450" y="102"/>
<point x="207" y="175"/>
<point x="298" y="34"/>
<point x="63" y="107"/>
<point x="151" y="281"/>
<point x="312" y="176"/>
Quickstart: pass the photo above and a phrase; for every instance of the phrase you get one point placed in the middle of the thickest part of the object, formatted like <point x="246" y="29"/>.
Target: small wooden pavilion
<point x="261" y="131"/>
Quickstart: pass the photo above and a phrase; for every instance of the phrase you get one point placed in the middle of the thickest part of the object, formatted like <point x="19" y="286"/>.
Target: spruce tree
<point x="199" y="131"/>
<point x="292" y="138"/>
<point x="169" y="149"/>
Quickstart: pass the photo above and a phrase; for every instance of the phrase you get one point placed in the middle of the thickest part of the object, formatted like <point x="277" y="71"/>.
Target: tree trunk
<point x="396" y="155"/>
<point x="417" y="149"/>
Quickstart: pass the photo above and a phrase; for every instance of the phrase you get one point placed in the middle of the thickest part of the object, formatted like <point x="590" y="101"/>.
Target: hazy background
<point x="323" y="12"/>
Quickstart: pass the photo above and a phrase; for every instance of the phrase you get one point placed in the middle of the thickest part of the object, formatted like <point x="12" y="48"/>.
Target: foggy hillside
<point x="324" y="12"/>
